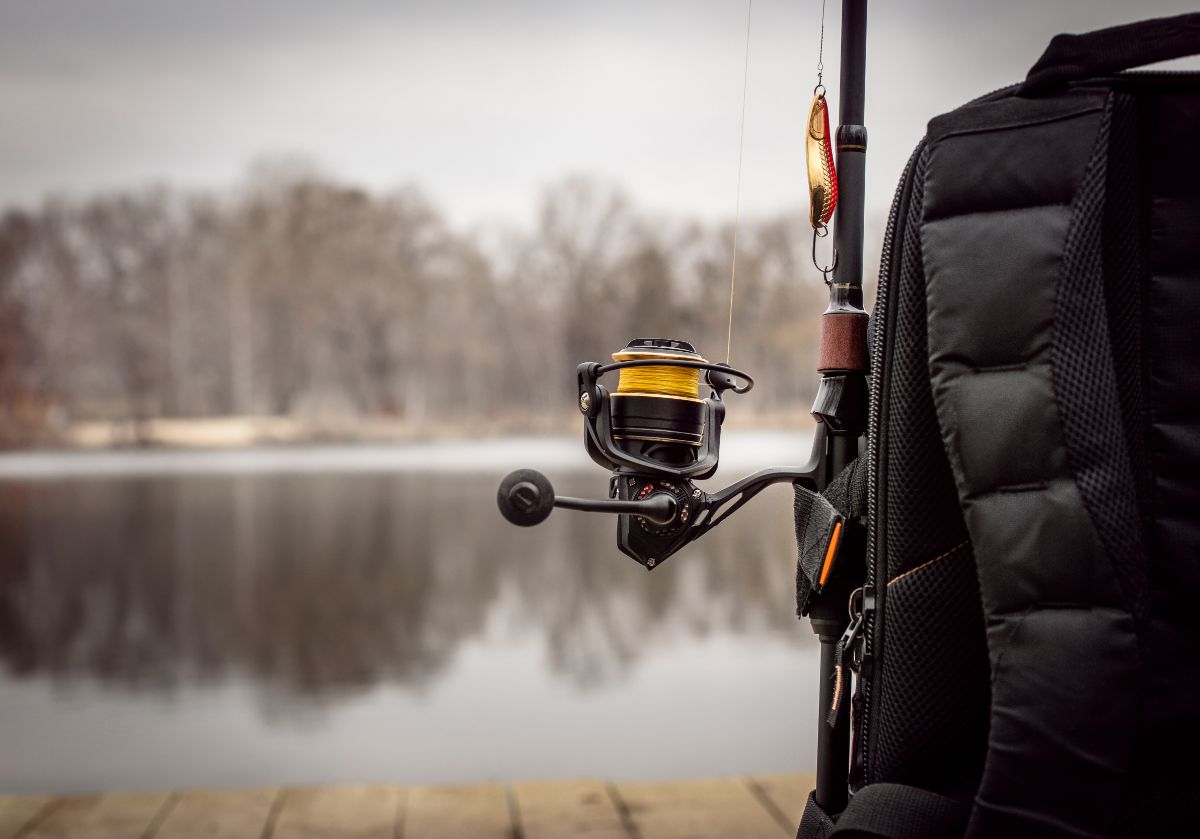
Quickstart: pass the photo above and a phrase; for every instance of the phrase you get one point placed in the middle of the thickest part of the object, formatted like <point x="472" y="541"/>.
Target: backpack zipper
<point x="865" y="653"/>
<point x="879" y="334"/>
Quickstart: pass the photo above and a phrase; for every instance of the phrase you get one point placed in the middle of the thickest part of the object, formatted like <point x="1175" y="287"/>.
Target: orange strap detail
<point x="830" y="553"/>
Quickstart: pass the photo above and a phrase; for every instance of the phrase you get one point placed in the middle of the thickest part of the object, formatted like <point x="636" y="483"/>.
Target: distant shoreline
<point x="743" y="450"/>
<point x="241" y="432"/>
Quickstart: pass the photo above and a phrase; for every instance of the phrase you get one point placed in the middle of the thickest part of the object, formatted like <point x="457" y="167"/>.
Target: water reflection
<point x="313" y="588"/>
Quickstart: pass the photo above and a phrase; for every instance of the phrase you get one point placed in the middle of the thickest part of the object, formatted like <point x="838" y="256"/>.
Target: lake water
<point x="296" y="616"/>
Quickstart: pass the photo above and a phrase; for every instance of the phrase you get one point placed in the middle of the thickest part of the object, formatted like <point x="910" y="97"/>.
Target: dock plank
<point x="16" y="811"/>
<point x="218" y="814"/>
<point x="567" y="810"/>
<point x="347" y="812"/>
<point x="787" y="793"/>
<point x="107" y="816"/>
<point x="713" y="809"/>
<point x="470" y="812"/>
<point x="755" y="807"/>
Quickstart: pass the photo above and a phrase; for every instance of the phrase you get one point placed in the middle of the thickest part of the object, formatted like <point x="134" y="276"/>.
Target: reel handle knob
<point x="525" y="497"/>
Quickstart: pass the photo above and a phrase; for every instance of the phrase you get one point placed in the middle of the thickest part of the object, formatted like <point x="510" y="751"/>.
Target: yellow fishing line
<point x="681" y="382"/>
<point x="661" y="381"/>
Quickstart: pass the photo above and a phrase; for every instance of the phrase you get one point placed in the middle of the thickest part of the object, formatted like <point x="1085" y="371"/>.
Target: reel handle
<point x="526" y="498"/>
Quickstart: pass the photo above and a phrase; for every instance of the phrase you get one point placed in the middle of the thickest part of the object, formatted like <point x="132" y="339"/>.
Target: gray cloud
<point x="483" y="102"/>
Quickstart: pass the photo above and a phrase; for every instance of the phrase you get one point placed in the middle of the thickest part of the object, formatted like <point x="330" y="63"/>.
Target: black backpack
<point x="1029" y="664"/>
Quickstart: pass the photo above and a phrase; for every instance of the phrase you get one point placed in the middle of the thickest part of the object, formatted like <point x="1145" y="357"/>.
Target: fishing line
<point x="737" y="210"/>
<point x="822" y="173"/>
<point x="683" y="382"/>
<point x="821" y="53"/>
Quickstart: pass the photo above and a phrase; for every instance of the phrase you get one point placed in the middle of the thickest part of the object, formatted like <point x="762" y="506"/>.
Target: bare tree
<point x="301" y="295"/>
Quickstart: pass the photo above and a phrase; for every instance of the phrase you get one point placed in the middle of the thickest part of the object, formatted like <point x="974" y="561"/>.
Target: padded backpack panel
<point x="1011" y="249"/>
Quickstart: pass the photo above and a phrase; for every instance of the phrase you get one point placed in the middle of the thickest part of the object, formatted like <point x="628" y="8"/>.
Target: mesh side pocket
<point x="933" y="710"/>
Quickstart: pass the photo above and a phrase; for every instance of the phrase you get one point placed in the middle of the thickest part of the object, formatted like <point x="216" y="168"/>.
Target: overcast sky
<point x="483" y="102"/>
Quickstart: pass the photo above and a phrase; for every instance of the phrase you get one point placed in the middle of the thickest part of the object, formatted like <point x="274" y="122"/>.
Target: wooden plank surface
<point x="16" y="811"/>
<point x="759" y="807"/>
<point x="566" y="810"/>
<point x="350" y="812"/>
<point x="787" y="793"/>
<point x="206" y="814"/>
<point x="699" y="810"/>
<point x="108" y="816"/>
<point x="470" y="812"/>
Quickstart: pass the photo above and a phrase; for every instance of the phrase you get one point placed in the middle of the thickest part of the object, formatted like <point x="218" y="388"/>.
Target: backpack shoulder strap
<point x="1025" y="394"/>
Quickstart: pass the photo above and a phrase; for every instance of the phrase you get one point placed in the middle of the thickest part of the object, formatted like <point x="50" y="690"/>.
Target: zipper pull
<point x="848" y="641"/>
<point x="860" y="662"/>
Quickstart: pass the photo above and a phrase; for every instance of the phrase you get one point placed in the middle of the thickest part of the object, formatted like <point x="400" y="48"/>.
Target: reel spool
<point x="658" y="421"/>
<point x="657" y="411"/>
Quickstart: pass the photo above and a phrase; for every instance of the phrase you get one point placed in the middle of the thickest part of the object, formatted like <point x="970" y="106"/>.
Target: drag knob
<point x="525" y="497"/>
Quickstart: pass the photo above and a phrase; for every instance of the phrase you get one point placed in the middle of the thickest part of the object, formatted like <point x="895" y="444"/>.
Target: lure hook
<point x="820" y="231"/>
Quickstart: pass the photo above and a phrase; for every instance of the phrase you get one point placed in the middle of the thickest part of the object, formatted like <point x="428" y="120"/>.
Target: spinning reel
<point x="656" y="434"/>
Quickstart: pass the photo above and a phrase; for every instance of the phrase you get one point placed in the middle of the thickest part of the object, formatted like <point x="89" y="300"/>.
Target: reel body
<point x="658" y="423"/>
<point x="656" y="434"/>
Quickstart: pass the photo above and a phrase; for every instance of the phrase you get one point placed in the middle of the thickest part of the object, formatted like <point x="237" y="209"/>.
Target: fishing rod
<point x="660" y="430"/>
<point x="841" y="406"/>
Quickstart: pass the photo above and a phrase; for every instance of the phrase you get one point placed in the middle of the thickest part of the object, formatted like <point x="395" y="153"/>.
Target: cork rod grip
<point x="843" y="342"/>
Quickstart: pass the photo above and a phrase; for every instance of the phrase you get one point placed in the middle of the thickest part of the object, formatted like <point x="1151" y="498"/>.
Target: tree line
<point x="301" y="296"/>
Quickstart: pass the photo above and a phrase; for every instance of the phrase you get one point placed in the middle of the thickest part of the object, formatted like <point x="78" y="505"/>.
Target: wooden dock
<point x="766" y="806"/>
